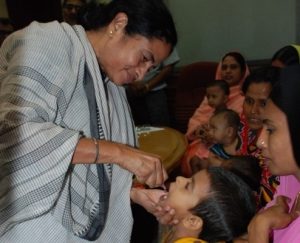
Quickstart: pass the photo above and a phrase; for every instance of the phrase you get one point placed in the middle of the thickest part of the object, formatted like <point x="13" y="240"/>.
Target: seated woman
<point x="233" y="70"/>
<point x="280" y="144"/>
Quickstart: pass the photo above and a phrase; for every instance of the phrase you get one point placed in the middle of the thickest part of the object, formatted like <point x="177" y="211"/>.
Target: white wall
<point x="209" y="28"/>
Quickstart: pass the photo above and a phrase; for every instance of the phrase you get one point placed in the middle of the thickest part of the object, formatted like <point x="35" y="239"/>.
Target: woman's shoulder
<point x="289" y="186"/>
<point x="52" y="36"/>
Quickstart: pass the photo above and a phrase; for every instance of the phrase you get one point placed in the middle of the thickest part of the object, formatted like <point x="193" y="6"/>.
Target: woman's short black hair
<point x="228" y="209"/>
<point x="239" y="58"/>
<point x="268" y="74"/>
<point x="149" y="18"/>
<point x="288" y="55"/>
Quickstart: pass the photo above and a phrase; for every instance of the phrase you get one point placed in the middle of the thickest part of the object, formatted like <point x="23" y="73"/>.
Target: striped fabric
<point x="43" y="113"/>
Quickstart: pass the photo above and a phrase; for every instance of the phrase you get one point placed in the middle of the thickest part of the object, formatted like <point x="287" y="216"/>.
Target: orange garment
<point x="201" y="116"/>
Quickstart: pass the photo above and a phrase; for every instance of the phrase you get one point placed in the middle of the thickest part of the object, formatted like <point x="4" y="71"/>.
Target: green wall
<point x="209" y="28"/>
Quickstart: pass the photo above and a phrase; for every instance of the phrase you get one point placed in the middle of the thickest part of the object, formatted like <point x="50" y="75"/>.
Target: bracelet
<point x="97" y="150"/>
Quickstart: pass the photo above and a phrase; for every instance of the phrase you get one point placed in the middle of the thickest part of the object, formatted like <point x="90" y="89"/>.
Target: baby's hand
<point x="203" y="134"/>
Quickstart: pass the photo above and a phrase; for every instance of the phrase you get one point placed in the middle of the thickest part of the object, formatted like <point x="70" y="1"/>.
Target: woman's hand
<point x="147" y="198"/>
<point x="164" y="213"/>
<point x="275" y="217"/>
<point x="147" y="168"/>
<point x="151" y="200"/>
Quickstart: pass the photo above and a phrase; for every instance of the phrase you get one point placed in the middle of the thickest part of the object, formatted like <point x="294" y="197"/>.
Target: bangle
<point x="97" y="150"/>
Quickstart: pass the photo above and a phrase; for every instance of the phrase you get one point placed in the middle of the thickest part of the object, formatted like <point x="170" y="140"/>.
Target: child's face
<point x="185" y="193"/>
<point x="215" y="96"/>
<point x="217" y="128"/>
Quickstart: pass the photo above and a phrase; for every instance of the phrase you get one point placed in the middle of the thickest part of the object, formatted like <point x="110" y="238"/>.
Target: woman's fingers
<point x="167" y="217"/>
<point x="147" y="168"/>
<point x="157" y="175"/>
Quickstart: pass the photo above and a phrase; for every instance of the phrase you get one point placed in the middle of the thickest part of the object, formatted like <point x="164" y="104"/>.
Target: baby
<point x="213" y="205"/>
<point x="217" y="93"/>
<point x="223" y="131"/>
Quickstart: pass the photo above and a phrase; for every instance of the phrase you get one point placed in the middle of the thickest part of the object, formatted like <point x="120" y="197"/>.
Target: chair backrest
<point x="187" y="91"/>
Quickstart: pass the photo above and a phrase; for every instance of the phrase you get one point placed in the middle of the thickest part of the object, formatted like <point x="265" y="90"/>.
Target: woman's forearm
<point x="89" y="150"/>
<point x="258" y="230"/>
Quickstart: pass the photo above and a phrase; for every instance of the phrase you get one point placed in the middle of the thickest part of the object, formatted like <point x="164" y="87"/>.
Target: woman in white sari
<point x="67" y="139"/>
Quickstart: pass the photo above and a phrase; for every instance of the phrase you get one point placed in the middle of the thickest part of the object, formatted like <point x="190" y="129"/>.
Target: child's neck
<point x="179" y="232"/>
<point x="220" y="107"/>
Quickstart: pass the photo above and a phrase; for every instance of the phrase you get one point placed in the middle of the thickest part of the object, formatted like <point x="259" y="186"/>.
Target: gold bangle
<point x="97" y="150"/>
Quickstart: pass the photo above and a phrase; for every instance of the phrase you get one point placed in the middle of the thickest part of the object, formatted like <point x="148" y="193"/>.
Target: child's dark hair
<point x="151" y="19"/>
<point x="246" y="167"/>
<point x="228" y="209"/>
<point x="232" y="118"/>
<point x="219" y="83"/>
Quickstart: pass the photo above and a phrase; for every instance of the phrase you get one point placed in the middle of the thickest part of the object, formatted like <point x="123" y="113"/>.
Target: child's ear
<point x="193" y="222"/>
<point x="230" y="131"/>
<point x="226" y="98"/>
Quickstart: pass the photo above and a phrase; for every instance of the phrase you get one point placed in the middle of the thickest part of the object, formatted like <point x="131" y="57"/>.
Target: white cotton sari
<point x="43" y="112"/>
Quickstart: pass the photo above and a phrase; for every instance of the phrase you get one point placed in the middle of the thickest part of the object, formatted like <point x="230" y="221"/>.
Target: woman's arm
<point x="147" y="167"/>
<point x="274" y="217"/>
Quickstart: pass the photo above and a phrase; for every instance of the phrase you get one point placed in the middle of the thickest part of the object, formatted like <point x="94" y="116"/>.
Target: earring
<point x="111" y="33"/>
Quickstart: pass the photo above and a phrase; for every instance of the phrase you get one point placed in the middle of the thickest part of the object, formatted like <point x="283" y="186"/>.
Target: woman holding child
<point x="233" y="70"/>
